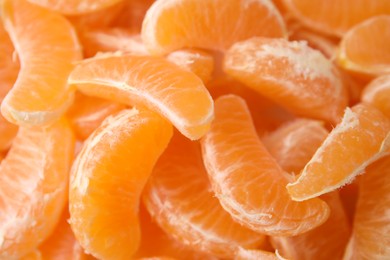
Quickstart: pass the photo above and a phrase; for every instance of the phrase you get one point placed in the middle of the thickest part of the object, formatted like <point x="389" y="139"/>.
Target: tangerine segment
<point x="34" y="179"/>
<point x="154" y="82"/>
<point x="87" y="113"/>
<point x="179" y="179"/>
<point x="246" y="178"/>
<point x="365" y="48"/>
<point x="294" y="143"/>
<point x="352" y="145"/>
<point x="40" y="94"/>
<point x="211" y="24"/>
<point x="377" y="93"/>
<point x="72" y="7"/>
<point x="335" y="17"/>
<point x="325" y="242"/>
<point x="108" y="177"/>
<point x="292" y="74"/>
<point x="62" y="245"/>
<point x="370" y="238"/>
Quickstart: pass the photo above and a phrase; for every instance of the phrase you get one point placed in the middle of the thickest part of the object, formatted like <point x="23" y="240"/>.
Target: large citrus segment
<point x="335" y="17"/>
<point x="371" y="237"/>
<point x="178" y="95"/>
<point x="108" y="177"/>
<point x="365" y="48"/>
<point x="293" y="144"/>
<point x="210" y="24"/>
<point x="377" y="93"/>
<point x="292" y="74"/>
<point x="246" y="178"/>
<point x="34" y="179"/>
<point x="345" y="153"/>
<point x="179" y="179"/>
<point x="41" y="93"/>
<point x="75" y="6"/>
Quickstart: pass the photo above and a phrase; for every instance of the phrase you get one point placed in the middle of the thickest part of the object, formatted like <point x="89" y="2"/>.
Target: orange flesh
<point x="103" y="209"/>
<point x="177" y="94"/>
<point x="248" y="181"/>
<point x="377" y="93"/>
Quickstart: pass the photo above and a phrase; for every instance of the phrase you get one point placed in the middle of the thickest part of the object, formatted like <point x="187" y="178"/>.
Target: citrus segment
<point x="40" y="94"/>
<point x="349" y="148"/>
<point x="75" y="6"/>
<point x="370" y="238"/>
<point x="209" y="24"/>
<point x="335" y="17"/>
<point x="34" y="179"/>
<point x="178" y="95"/>
<point x="365" y="48"/>
<point x="377" y="93"/>
<point x="108" y="177"/>
<point x="292" y="74"/>
<point x="293" y="144"/>
<point x="62" y="245"/>
<point x="87" y="113"/>
<point x="170" y="195"/>
<point x="133" y="14"/>
<point x="325" y="242"/>
<point x="246" y="178"/>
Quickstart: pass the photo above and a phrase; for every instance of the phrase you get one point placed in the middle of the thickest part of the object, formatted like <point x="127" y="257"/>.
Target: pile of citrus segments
<point x="195" y="129"/>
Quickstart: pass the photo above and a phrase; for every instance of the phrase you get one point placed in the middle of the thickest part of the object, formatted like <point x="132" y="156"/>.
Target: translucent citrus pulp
<point x="377" y="93"/>
<point x="246" y="178"/>
<point x="41" y="93"/>
<point x="107" y="180"/>
<point x="153" y="82"/>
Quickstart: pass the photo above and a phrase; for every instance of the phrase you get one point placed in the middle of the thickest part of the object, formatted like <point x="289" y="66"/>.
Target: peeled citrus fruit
<point x="292" y="74"/>
<point x="175" y="24"/>
<point x="335" y="17"/>
<point x="365" y="47"/>
<point x="41" y="93"/>
<point x="177" y="94"/>
<point x="246" y="178"/>
<point x="370" y="237"/>
<point x="377" y="93"/>
<point x="171" y="193"/>
<point x="108" y="177"/>
<point x="341" y="156"/>
<point x="34" y="180"/>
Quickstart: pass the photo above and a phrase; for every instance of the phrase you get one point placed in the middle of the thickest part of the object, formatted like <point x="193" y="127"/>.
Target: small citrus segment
<point x="351" y="146"/>
<point x="176" y="24"/>
<point x="108" y="177"/>
<point x="335" y="17"/>
<point x="365" y="48"/>
<point x="377" y="93"/>
<point x="34" y="180"/>
<point x="179" y="179"/>
<point x="40" y="94"/>
<point x="246" y="178"/>
<point x="178" y="95"/>
<point x="74" y="6"/>
<point x="370" y="236"/>
<point x="292" y="74"/>
<point x="293" y="144"/>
